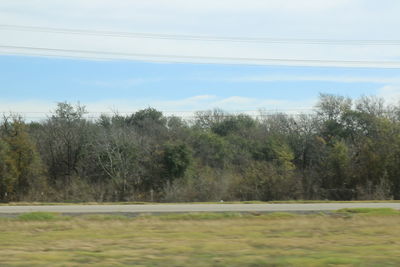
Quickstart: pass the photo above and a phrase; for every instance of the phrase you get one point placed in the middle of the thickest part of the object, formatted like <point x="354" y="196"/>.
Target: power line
<point x="192" y="117"/>
<point x="169" y="111"/>
<point x="210" y="38"/>
<point x="106" y="55"/>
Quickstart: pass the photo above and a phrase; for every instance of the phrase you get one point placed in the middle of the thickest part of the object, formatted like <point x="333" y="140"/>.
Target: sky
<point x="54" y="61"/>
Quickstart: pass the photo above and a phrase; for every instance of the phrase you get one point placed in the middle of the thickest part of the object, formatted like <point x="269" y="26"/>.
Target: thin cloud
<point x="391" y="93"/>
<point x="312" y="19"/>
<point x="315" y="78"/>
<point x="201" y="97"/>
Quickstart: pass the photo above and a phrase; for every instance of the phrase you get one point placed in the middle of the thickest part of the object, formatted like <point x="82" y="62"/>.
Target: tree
<point x="345" y="150"/>
<point x="176" y="159"/>
<point x="116" y="152"/>
<point x="210" y="149"/>
<point x="207" y="119"/>
<point x="8" y="173"/>
<point x="64" y="141"/>
<point x="240" y="125"/>
<point x="146" y="119"/>
<point x="337" y="179"/>
<point x="332" y="107"/>
<point x="21" y="158"/>
<point x="332" y="111"/>
<point x="266" y="181"/>
<point x="277" y="152"/>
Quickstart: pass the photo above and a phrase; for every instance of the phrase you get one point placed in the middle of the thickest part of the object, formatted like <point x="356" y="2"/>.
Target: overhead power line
<point x="107" y="55"/>
<point x="209" y="38"/>
<point x="191" y="117"/>
<point x="282" y="110"/>
<point x="183" y="114"/>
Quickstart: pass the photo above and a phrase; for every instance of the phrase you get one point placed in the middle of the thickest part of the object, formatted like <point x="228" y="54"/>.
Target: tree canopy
<point x="346" y="149"/>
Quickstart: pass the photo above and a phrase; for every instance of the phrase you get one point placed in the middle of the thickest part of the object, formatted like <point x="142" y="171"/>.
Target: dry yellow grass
<point x="206" y="240"/>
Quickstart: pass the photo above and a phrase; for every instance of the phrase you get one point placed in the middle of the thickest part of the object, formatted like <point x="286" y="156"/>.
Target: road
<point x="174" y="208"/>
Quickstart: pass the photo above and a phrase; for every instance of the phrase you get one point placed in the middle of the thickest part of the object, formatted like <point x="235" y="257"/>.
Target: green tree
<point x="8" y="173"/>
<point x="240" y="125"/>
<point x="211" y="149"/>
<point x="337" y="175"/>
<point x="277" y="152"/>
<point x="176" y="159"/>
<point x="23" y="156"/>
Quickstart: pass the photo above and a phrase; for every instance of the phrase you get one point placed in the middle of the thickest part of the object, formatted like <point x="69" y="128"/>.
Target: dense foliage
<point x="344" y="150"/>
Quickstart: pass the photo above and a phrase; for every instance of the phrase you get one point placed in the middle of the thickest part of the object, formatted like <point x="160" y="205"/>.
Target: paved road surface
<point x="79" y="209"/>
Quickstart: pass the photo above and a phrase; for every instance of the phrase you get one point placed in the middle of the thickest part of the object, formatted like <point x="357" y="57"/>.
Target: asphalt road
<point x="175" y="208"/>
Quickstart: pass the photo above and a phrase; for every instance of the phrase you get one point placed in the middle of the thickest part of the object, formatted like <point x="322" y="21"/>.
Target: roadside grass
<point x="104" y="217"/>
<point x="203" y="239"/>
<point x="41" y="216"/>
<point x="216" y="202"/>
<point x="201" y="216"/>
<point x="370" y="211"/>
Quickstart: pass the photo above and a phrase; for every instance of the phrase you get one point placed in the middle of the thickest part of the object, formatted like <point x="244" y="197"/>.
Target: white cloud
<point x="391" y="93"/>
<point x="236" y="100"/>
<point x="252" y="104"/>
<point x="316" y="78"/>
<point x="201" y="97"/>
<point x="339" y="19"/>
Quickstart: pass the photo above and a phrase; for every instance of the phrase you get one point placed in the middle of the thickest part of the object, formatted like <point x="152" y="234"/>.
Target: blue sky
<point x="128" y="85"/>
<point x="32" y="84"/>
<point x="87" y="81"/>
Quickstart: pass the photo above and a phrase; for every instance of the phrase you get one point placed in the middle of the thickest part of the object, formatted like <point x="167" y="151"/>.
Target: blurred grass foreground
<point x="350" y="237"/>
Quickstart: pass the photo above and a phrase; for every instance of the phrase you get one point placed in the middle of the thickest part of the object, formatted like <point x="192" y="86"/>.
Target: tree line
<point x="345" y="150"/>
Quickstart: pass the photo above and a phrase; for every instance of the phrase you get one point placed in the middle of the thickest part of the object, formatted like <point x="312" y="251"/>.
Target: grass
<point x="225" y="202"/>
<point x="370" y="211"/>
<point x="203" y="239"/>
<point x="41" y="216"/>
